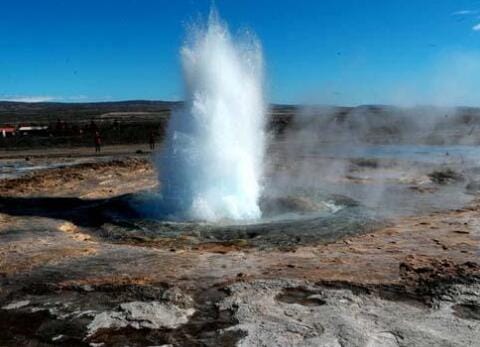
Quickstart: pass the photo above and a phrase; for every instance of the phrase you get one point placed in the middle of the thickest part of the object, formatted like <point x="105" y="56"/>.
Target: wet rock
<point x="301" y="296"/>
<point x="16" y="305"/>
<point x="445" y="176"/>
<point x="423" y="189"/>
<point x="467" y="311"/>
<point x="141" y="315"/>
<point x="365" y="163"/>
<point x="473" y="187"/>
<point x="461" y="231"/>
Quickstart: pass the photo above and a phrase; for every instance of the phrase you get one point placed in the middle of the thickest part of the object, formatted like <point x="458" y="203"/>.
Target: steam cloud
<point x="211" y="168"/>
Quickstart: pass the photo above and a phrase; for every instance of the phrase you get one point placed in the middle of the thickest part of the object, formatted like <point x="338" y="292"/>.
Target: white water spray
<point x="211" y="168"/>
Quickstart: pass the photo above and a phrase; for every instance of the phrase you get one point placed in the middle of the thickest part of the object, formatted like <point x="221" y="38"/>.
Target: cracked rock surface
<point x="139" y="315"/>
<point x="289" y="313"/>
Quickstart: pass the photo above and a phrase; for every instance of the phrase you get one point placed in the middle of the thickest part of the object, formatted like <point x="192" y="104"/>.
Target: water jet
<point x="212" y="164"/>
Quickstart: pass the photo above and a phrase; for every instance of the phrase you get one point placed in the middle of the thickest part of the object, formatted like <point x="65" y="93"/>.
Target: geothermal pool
<point x="366" y="193"/>
<point x="415" y="153"/>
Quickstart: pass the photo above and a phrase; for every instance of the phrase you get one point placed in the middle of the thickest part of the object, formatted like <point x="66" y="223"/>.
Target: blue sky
<point x="325" y="52"/>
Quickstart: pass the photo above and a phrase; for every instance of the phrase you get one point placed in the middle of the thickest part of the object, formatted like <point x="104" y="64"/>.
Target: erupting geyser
<point x="211" y="168"/>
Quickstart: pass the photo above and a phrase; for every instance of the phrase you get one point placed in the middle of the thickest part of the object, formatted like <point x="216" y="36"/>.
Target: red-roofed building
<point x="7" y="130"/>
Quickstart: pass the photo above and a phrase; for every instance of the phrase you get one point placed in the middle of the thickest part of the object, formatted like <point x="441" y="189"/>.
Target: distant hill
<point x="131" y="122"/>
<point x="18" y="112"/>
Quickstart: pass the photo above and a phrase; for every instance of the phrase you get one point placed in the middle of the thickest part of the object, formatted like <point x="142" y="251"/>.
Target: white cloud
<point x="476" y="27"/>
<point x="464" y="12"/>
<point x="27" y="98"/>
<point x="43" y="98"/>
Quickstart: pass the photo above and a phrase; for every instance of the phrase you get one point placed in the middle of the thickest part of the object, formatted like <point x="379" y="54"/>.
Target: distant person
<point x="151" y="140"/>
<point x="98" y="142"/>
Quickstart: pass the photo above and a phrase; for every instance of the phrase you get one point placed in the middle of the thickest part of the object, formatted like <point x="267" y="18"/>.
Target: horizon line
<point x="67" y="102"/>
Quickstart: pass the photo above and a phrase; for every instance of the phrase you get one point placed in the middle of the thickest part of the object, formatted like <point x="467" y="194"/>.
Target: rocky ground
<point x="71" y="274"/>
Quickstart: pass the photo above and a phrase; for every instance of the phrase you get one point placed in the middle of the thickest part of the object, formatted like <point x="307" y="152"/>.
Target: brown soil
<point x="41" y="254"/>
